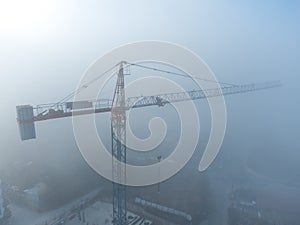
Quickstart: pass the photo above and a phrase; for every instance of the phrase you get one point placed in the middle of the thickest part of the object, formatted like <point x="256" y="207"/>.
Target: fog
<point x="242" y="42"/>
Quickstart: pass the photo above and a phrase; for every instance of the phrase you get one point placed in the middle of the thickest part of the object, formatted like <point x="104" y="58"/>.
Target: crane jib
<point x="27" y="115"/>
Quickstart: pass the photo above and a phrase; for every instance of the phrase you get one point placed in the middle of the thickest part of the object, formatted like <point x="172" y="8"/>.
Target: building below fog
<point x="4" y="211"/>
<point x="33" y="196"/>
<point x="1" y="203"/>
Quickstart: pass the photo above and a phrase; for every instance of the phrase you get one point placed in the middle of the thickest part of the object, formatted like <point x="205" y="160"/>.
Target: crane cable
<point x="82" y="87"/>
<point x="87" y="84"/>
<point x="180" y="74"/>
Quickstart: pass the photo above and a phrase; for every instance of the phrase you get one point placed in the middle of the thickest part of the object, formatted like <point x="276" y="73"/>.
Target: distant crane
<point x="27" y="115"/>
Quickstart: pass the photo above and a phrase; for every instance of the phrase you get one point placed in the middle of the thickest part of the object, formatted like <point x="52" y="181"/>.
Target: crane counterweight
<point x="27" y="126"/>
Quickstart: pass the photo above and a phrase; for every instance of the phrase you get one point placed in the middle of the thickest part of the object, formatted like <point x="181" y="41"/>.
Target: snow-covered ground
<point x="22" y="215"/>
<point x="98" y="213"/>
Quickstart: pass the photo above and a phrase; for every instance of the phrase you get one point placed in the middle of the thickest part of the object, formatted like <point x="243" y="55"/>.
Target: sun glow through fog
<point x="27" y="17"/>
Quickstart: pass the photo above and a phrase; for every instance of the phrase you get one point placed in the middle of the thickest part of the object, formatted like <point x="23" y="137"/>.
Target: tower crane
<point x="28" y="115"/>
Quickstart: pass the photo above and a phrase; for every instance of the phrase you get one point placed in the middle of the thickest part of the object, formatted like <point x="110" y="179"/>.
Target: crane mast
<point x="27" y="116"/>
<point x="118" y="141"/>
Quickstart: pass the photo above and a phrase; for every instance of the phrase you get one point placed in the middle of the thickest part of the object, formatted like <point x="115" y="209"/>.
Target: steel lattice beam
<point x="118" y="134"/>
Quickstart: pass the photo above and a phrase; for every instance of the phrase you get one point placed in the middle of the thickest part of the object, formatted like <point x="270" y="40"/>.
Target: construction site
<point x="149" y="113"/>
<point x="118" y="204"/>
